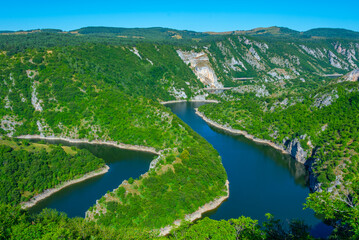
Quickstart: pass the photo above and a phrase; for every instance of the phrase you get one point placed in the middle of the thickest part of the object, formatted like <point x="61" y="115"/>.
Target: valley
<point x="292" y="90"/>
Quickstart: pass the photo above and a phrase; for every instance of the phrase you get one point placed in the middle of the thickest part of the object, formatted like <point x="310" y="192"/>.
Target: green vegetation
<point x="331" y="33"/>
<point x="281" y="65"/>
<point x="241" y="228"/>
<point x="106" y="84"/>
<point x="326" y="125"/>
<point x="49" y="224"/>
<point x="110" y="93"/>
<point x="47" y="38"/>
<point x="168" y="192"/>
<point x="27" y="169"/>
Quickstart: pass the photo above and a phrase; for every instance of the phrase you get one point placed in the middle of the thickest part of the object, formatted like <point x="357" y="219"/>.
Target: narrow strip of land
<point x="111" y="143"/>
<point x="48" y="192"/>
<point x="240" y="132"/>
<point x="179" y="101"/>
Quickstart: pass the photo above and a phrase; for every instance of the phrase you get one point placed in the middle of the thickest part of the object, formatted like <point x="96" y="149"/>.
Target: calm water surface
<point x="76" y="199"/>
<point x="262" y="179"/>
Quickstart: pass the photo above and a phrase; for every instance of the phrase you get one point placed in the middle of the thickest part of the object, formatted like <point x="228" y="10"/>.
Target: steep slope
<point x="200" y="65"/>
<point x="279" y="66"/>
<point x="92" y="86"/>
<point x="27" y="169"/>
<point x="50" y="81"/>
<point x="319" y="128"/>
<point x="94" y="93"/>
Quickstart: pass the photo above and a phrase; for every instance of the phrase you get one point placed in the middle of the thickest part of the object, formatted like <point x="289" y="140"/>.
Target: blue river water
<point x="262" y="179"/>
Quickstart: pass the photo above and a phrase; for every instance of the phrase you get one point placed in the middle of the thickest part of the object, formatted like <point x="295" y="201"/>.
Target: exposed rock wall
<point x="296" y="151"/>
<point x="200" y="65"/>
<point x="353" y="76"/>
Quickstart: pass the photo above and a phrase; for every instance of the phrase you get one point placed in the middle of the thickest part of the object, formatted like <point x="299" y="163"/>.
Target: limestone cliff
<point x="200" y="65"/>
<point x="296" y="151"/>
<point x="353" y="76"/>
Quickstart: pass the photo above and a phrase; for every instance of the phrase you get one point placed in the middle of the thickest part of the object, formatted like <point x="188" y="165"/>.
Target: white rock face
<point x="31" y="73"/>
<point x="12" y="80"/>
<point x="7" y="102"/>
<point x="40" y="128"/>
<point x="349" y="53"/>
<point x="201" y="67"/>
<point x="34" y="100"/>
<point x="296" y="151"/>
<point x="235" y="64"/>
<point x="8" y="124"/>
<point x="325" y="100"/>
<point x="279" y="74"/>
<point x="178" y="94"/>
<point x="334" y="60"/>
<point x="262" y="46"/>
<point x="353" y="76"/>
<point x="254" y="53"/>
<point x="262" y="91"/>
<point x="254" y="59"/>
<point x="149" y="61"/>
<point x="317" y="53"/>
<point x="200" y="97"/>
<point x="135" y="51"/>
<point x="225" y="51"/>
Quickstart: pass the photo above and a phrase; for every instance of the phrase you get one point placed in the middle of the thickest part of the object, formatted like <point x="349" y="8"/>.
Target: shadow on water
<point x="297" y="170"/>
<point x="262" y="179"/>
<point x="76" y="199"/>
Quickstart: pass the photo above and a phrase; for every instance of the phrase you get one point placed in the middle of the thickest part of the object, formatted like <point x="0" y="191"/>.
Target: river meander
<point x="262" y="179"/>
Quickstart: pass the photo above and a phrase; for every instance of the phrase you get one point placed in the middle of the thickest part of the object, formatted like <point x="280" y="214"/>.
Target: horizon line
<point x="208" y="31"/>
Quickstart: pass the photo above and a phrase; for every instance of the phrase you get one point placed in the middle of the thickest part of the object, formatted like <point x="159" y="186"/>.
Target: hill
<point x="331" y="33"/>
<point x="106" y="84"/>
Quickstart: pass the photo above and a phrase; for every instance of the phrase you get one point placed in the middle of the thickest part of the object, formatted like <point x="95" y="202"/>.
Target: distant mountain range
<point x="168" y="33"/>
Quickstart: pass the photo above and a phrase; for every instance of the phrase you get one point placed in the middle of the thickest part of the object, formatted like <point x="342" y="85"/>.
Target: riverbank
<point x="240" y="132"/>
<point x="179" y="101"/>
<point x="110" y="143"/>
<point x="48" y="192"/>
<point x="197" y="214"/>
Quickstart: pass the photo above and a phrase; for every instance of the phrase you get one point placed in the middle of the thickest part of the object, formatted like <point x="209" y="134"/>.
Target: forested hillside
<point x="112" y="93"/>
<point x="49" y="224"/>
<point x="266" y="66"/>
<point x="27" y="169"/>
<point x="319" y="128"/>
<point x="106" y="84"/>
<point x="78" y="91"/>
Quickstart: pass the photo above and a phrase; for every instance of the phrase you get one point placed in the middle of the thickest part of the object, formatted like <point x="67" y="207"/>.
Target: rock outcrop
<point x="353" y="76"/>
<point x="296" y="151"/>
<point x="325" y="100"/>
<point x="200" y="65"/>
<point x="314" y="184"/>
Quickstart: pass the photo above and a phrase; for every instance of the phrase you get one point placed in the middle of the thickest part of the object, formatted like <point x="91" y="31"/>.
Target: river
<point x="262" y="179"/>
<point x="76" y="199"/>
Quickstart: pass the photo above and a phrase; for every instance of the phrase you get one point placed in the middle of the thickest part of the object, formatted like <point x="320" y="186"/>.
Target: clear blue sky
<point x="210" y="15"/>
